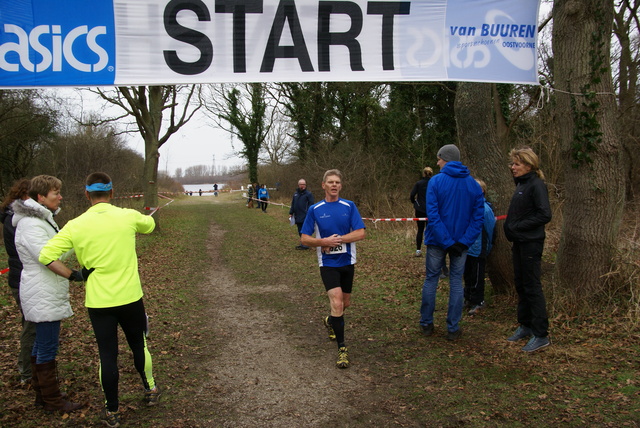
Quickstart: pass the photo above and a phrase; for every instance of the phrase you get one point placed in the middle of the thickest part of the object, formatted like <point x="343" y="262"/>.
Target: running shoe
<point x="332" y="334"/>
<point x="536" y="343"/>
<point x="475" y="309"/>
<point x="343" y="358"/>
<point x="152" y="396"/>
<point x="111" y="419"/>
<point x="522" y="332"/>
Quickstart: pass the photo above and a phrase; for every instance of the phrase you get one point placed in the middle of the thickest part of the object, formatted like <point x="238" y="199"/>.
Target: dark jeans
<point x="532" y="307"/>
<point x="474" y="269"/>
<point x="421" y="225"/>
<point x="45" y="347"/>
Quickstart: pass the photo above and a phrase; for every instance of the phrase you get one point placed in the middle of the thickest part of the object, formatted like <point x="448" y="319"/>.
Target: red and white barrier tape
<point x="375" y="220"/>
<point x="128" y="197"/>
<point x="155" y="209"/>
<point x="209" y="191"/>
<point x="269" y="202"/>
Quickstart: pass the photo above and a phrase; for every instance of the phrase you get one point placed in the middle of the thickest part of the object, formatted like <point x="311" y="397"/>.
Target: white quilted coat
<point x="43" y="294"/>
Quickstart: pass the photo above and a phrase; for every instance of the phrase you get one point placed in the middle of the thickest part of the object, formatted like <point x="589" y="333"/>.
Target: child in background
<point x="474" y="267"/>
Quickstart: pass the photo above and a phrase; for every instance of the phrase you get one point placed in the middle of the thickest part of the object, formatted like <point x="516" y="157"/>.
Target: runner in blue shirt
<point x="337" y="225"/>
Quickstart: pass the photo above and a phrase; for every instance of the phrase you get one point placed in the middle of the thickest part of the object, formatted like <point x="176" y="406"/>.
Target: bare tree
<point x="626" y="27"/>
<point x="159" y="112"/>
<point x="26" y="127"/>
<point x="279" y="147"/>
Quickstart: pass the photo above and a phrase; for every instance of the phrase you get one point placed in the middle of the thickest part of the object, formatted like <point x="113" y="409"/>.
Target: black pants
<point x="132" y="319"/>
<point x="421" y="226"/>
<point x="532" y="307"/>
<point x="474" y="269"/>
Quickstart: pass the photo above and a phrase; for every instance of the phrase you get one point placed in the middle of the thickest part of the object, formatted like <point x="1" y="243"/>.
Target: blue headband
<point x="99" y="187"/>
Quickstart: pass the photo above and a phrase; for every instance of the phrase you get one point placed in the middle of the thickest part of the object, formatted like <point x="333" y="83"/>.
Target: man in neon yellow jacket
<point x="104" y="240"/>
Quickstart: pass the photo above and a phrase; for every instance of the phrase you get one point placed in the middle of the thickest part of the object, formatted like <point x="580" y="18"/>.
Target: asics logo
<point x="53" y="48"/>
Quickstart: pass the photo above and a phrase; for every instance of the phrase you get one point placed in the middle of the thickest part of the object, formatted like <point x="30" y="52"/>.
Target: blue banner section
<point x="57" y="43"/>
<point x="493" y="42"/>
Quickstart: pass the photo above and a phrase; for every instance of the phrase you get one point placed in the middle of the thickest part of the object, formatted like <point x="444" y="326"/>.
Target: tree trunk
<point x="590" y="146"/>
<point x="151" y="160"/>
<point x="478" y="143"/>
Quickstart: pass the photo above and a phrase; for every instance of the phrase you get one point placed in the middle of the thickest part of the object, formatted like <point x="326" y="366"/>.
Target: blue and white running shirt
<point x="329" y="218"/>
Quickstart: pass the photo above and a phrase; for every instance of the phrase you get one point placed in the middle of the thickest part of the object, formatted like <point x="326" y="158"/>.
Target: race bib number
<point x="338" y="249"/>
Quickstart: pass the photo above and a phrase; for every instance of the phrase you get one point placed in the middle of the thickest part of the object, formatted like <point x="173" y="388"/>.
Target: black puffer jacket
<point x="9" y="234"/>
<point x="529" y="210"/>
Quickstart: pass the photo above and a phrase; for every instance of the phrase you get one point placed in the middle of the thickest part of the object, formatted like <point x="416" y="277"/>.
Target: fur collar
<point x="30" y="208"/>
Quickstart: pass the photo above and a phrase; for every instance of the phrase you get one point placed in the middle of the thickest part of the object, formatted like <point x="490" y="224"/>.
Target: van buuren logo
<point x="53" y="48"/>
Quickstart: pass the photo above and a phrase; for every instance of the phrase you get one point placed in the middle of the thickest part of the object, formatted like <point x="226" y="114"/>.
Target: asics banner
<point x="163" y="42"/>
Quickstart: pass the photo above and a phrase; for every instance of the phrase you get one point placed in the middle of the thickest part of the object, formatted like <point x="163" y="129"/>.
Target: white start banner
<point x="160" y="42"/>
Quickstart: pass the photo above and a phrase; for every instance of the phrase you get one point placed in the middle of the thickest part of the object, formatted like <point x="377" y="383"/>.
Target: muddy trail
<point x="270" y="370"/>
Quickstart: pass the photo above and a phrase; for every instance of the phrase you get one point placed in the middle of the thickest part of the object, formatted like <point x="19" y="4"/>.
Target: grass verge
<point x="589" y="376"/>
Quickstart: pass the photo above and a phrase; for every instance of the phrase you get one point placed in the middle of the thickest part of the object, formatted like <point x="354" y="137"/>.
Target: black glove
<point x="80" y="275"/>
<point x="456" y="249"/>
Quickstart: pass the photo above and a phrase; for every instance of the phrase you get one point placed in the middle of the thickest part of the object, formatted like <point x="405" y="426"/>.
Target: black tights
<point x="132" y="319"/>
<point x="421" y="226"/>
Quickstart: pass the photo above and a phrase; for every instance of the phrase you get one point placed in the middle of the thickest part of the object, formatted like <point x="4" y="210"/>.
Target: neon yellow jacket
<point x="104" y="238"/>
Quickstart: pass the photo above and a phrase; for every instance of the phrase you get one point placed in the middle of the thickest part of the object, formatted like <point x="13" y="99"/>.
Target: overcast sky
<point x="196" y="143"/>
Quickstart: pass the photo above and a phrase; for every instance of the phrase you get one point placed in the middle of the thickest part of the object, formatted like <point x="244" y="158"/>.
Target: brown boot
<point x="34" y="383"/>
<point x="50" y="389"/>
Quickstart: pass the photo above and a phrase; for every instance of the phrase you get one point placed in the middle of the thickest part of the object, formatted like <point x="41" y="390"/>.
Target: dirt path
<point x="264" y="376"/>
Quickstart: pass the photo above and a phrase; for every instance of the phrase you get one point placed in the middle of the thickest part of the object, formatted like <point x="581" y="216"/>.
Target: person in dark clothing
<point x="19" y="190"/>
<point x="474" y="266"/>
<point x="250" y="193"/>
<point x="300" y="203"/>
<point x="528" y="213"/>
<point x="418" y="198"/>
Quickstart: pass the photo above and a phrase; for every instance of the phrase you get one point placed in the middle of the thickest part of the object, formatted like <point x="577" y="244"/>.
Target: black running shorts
<point x="333" y="277"/>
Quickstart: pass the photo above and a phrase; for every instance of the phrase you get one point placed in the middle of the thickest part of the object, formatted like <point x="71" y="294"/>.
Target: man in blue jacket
<point x="455" y="209"/>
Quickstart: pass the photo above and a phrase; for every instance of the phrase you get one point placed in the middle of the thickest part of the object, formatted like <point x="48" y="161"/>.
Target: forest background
<point x="583" y="120"/>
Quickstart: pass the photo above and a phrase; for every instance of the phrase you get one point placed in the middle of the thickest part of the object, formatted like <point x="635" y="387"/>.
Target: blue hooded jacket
<point x="455" y="207"/>
<point x="484" y="242"/>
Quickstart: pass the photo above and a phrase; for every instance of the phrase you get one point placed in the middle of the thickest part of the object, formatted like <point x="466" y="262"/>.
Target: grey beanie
<point x="449" y="153"/>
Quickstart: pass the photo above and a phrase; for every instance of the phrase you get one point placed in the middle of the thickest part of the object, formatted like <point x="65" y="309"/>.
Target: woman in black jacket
<point x="19" y="190"/>
<point x="418" y="198"/>
<point x="528" y="213"/>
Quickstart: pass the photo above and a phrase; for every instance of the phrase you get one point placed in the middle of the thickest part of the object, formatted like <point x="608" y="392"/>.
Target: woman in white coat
<point x="44" y="296"/>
